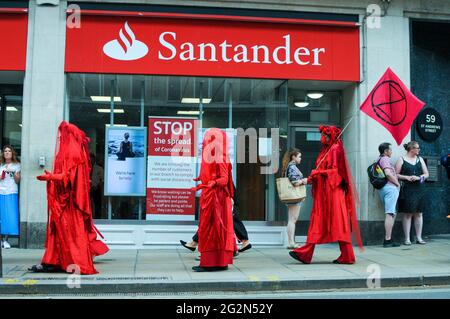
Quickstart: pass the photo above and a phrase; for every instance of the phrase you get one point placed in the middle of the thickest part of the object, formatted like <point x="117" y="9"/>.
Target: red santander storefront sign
<point x="13" y="36"/>
<point x="164" y="46"/>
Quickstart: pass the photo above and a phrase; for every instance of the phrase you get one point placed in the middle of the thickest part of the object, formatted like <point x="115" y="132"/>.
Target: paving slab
<point x="260" y="268"/>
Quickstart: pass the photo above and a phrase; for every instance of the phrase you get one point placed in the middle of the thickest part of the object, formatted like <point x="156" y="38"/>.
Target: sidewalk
<point x="258" y="269"/>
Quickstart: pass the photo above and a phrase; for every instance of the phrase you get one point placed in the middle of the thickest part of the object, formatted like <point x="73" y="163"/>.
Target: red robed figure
<point x="71" y="234"/>
<point x="392" y="105"/>
<point x="333" y="216"/>
<point x="216" y="232"/>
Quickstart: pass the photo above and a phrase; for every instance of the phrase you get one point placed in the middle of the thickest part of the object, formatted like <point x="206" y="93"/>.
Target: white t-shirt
<point x="8" y="184"/>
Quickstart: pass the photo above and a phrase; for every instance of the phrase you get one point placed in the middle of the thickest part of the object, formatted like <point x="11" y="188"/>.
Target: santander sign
<point x="126" y="49"/>
<point x="201" y="47"/>
<point x="240" y="53"/>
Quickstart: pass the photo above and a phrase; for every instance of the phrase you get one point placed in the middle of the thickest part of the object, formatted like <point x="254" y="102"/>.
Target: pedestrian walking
<point x="216" y="232"/>
<point x="333" y="216"/>
<point x="239" y="230"/>
<point x="71" y="234"/>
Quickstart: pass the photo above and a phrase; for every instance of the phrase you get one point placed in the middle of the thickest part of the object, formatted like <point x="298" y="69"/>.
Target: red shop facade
<point x="13" y="35"/>
<point x="231" y="69"/>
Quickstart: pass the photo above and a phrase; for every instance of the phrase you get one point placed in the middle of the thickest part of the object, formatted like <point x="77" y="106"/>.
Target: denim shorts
<point x="389" y="196"/>
<point x="294" y="204"/>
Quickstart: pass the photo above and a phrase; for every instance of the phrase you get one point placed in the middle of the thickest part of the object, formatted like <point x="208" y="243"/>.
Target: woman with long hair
<point x="289" y="168"/>
<point x="413" y="171"/>
<point x="9" y="194"/>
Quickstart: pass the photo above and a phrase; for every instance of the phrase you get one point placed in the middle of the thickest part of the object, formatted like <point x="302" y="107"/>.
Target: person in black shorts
<point x="239" y="230"/>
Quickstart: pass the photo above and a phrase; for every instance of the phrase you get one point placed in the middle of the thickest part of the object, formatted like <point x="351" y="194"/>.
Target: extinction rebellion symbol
<point x="389" y="103"/>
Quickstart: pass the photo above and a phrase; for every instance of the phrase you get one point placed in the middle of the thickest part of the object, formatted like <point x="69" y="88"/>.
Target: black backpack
<point x="376" y="175"/>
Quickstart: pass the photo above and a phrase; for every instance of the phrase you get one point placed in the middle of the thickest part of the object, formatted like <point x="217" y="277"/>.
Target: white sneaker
<point x="6" y="245"/>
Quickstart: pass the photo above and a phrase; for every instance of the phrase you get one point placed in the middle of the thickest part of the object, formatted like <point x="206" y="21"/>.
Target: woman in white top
<point x="9" y="194"/>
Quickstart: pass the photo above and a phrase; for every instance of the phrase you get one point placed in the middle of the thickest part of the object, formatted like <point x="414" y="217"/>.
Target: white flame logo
<point x="127" y="48"/>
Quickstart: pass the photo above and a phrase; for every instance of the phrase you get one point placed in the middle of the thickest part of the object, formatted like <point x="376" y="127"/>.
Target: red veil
<point x="351" y="195"/>
<point x="214" y="152"/>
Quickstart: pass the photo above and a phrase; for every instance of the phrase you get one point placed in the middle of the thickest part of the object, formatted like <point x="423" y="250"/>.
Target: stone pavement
<point x="258" y="269"/>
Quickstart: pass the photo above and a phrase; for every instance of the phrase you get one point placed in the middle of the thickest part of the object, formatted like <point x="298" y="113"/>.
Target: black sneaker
<point x="390" y="243"/>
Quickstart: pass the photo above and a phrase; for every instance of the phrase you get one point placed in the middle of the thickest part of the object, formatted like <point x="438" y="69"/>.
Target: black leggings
<point x="239" y="229"/>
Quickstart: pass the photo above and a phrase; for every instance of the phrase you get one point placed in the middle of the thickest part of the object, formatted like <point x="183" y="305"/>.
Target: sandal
<point x="182" y="242"/>
<point x="248" y="246"/>
<point x="36" y="268"/>
<point x="421" y="242"/>
<point x="43" y="268"/>
<point x="295" y="246"/>
<point x="407" y="243"/>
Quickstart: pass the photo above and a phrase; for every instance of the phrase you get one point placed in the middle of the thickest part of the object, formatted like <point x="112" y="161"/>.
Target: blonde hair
<point x="287" y="158"/>
<point x="410" y="145"/>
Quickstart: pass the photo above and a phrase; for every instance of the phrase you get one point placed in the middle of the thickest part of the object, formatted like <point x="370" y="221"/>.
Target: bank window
<point x="306" y="109"/>
<point x="11" y="121"/>
<point x="96" y="101"/>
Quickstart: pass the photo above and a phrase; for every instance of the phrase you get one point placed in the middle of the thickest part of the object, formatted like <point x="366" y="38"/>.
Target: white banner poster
<point x="125" y="167"/>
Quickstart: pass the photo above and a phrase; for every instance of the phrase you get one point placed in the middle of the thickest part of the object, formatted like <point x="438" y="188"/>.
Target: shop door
<point x="307" y="139"/>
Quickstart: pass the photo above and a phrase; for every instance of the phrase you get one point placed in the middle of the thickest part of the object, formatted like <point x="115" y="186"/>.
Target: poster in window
<point x="172" y="157"/>
<point x="125" y="171"/>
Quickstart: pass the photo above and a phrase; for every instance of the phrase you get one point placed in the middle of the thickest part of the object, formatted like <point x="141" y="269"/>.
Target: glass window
<point x="11" y="119"/>
<point x="217" y="102"/>
<point x="318" y="110"/>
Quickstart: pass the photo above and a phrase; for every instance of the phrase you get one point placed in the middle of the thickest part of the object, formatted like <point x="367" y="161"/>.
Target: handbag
<point x="289" y="193"/>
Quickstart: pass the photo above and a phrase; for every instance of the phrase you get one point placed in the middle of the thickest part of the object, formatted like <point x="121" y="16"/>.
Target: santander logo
<point x="126" y="48"/>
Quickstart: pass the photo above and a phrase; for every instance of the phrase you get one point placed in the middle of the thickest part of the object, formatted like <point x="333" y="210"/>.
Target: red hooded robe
<point x="71" y="234"/>
<point x="333" y="216"/>
<point x="216" y="232"/>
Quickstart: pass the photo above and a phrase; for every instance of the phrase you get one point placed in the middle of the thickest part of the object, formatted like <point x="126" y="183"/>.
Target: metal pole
<point x="111" y="114"/>
<point x="111" y="123"/>
<point x="201" y="102"/>
<point x="109" y="208"/>
<point x="230" y="105"/>
<point x="142" y="125"/>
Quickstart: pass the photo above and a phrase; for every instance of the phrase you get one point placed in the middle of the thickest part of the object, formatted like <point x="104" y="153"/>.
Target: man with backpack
<point x="389" y="192"/>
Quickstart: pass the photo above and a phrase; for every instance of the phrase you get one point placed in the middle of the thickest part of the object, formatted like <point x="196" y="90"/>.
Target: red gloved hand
<point x="53" y="177"/>
<point x="45" y="177"/>
<point x="314" y="172"/>
<point x="199" y="187"/>
<point x="211" y="184"/>
<point x="196" y="179"/>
